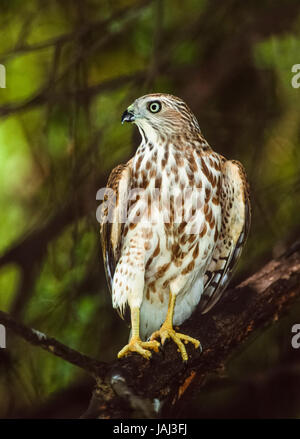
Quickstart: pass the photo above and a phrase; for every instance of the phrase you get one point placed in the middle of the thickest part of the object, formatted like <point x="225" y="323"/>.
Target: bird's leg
<point x="135" y="343"/>
<point x="167" y="331"/>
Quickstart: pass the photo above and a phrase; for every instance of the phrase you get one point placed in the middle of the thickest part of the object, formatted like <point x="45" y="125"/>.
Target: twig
<point x="34" y="337"/>
<point x="23" y="48"/>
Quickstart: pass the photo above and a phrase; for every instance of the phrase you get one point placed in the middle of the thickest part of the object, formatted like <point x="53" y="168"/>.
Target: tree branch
<point x="94" y="26"/>
<point x="134" y="387"/>
<point x="37" y="338"/>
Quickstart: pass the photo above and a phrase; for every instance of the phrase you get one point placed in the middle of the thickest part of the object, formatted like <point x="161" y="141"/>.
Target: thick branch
<point x="133" y="383"/>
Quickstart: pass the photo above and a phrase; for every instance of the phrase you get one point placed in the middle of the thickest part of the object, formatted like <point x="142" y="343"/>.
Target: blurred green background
<point x="72" y="67"/>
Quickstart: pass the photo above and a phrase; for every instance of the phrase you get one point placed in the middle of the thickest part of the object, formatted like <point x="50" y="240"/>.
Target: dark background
<point x="72" y="68"/>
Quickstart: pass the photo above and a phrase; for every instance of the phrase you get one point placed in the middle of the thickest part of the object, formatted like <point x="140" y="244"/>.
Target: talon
<point x="140" y="347"/>
<point x="166" y="331"/>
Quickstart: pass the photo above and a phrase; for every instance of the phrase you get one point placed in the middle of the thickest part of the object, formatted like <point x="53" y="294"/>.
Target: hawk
<point x="182" y="256"/>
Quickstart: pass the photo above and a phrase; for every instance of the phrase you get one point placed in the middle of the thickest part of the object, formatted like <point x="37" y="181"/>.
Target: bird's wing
<point x="111" y="228"/>
<point x="236" y="218"/>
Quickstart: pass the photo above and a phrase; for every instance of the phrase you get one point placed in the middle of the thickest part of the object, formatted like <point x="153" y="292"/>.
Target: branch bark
<point x="134" y="387"/>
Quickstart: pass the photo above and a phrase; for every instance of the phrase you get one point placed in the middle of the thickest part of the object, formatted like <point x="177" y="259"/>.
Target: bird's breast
<point x="180" y="215"/>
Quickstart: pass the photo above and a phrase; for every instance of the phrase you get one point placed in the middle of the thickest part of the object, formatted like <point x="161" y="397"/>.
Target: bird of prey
<point x="164" y="265"/>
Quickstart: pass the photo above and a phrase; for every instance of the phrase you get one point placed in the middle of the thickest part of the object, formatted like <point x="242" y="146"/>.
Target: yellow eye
<point x="154" y="106"/>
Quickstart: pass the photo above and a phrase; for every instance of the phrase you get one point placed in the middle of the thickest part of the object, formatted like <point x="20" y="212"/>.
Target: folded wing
<point x="236" y="217"/>
<point x="113" y="214"/>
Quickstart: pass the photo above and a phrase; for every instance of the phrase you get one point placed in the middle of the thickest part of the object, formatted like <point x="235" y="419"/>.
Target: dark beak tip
<point x="127" y="116"/>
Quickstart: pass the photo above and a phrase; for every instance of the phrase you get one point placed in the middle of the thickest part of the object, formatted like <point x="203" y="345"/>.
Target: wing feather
<point x="236" y="218"/>
<point x="111" y="228"/>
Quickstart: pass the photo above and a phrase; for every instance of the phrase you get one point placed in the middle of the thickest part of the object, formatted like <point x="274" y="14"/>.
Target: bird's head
<point x="160" y="115"/>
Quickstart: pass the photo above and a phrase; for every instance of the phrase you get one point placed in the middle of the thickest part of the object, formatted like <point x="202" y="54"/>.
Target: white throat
<point x="148" y="134"/>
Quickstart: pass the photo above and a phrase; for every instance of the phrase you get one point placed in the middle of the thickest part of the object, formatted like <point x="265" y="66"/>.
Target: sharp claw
<point x="138" y="347"/>
<point x="166" y="332"/>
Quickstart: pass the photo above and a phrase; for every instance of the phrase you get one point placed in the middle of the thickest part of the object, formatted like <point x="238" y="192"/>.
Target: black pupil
<point x="154" y="107"/>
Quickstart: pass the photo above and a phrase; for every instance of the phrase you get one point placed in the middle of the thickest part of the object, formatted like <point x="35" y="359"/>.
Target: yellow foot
<point x="167" y="331"/>
<point x="139" y="346"/>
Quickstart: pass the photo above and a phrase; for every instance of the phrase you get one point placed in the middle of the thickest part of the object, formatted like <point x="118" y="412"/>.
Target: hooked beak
<point x="128" y="116"/>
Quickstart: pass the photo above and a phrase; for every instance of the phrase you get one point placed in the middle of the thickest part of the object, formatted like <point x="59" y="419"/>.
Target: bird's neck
<point x="149" y="135"/>
<point x="168" y="148"/>
<point x="179" y="139"/>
